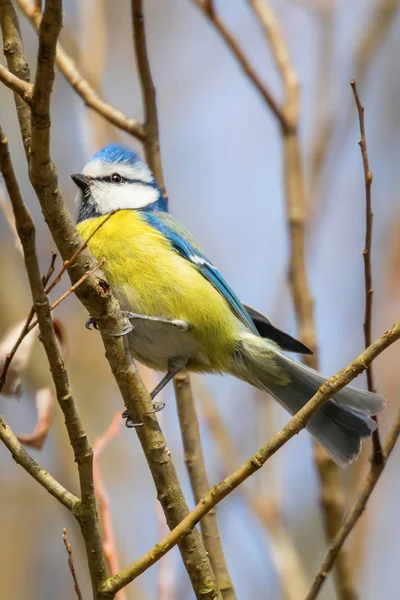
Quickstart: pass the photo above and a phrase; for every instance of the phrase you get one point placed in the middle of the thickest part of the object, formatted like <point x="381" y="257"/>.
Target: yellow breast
<point x="150" y="278"/>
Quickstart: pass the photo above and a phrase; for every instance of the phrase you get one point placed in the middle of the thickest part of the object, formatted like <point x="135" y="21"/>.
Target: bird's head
<point x="116" y="178"/>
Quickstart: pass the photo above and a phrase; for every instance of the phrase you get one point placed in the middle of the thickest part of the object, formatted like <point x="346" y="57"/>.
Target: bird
<point x="184" y="315"/>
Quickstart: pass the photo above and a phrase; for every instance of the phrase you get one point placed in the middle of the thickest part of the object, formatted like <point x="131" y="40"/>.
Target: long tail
<point x="339" y="426"/>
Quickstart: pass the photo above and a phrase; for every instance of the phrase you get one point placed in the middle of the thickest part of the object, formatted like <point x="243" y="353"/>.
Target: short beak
<point x="81" y="181"/>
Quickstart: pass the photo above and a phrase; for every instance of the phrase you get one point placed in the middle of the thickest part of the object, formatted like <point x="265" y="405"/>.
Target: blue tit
<point x="183" y="312"/>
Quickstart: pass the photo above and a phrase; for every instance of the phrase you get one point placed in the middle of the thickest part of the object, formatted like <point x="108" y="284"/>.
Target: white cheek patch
<point x="111" y="196"/>
<point x="99" y="168"/>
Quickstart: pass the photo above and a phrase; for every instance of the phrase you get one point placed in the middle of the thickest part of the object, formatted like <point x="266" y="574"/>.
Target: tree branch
<point x="151" y="140"/>
<point x="207" y="7"/>
<point x="217" y="493"/>
<point x="82" y="87"/>
<point x="331" y="497"/>
<point x="17" y="85"/>
<point x="356" y="512"/>
<point x="71" y="565"/>
<point x="369" y="290"/>
<point x="14" y="53"/>
<point x="199" y="482"/>
<point x="266" y="509"/>
<point x="85" y="511"/>
<point x="152" y="151"/>
<point x="47" y="481"/>
<point x="96" y="296"/>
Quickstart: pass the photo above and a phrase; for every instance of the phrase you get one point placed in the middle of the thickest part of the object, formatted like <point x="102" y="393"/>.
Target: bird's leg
<point x="175" y="365"/>
<point x="178" y="323"/>
<point x="91" y="322"/>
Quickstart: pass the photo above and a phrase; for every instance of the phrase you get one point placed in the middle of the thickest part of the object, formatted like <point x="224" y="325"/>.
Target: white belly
<point x="153" y="343"/>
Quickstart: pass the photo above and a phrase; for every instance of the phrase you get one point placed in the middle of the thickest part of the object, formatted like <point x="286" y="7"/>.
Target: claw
<point x="129" y="422"/>
<point x="91" y="322"/>
<point x="157" y="406"/>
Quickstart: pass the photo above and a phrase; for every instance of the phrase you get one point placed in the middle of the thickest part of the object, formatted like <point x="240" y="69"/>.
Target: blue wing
<point x="183" y="243"/>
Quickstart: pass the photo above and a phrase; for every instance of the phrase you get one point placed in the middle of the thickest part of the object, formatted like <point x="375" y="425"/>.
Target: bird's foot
<point x="157" y="406"/>
<point x="129" y="421"/>
<point x="91" y="322"/>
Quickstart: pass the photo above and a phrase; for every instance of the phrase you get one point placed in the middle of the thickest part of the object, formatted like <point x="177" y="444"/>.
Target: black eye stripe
<point x="108" y="179"/>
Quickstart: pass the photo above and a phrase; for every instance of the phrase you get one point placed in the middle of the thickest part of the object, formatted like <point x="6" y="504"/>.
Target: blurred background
<point x="222" y="159"/>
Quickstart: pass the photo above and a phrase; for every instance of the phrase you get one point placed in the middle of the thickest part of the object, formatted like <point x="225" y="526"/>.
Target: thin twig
<point x="151" y="140"/>
<point x="71" y="73"/>
<point x="43" y="177"/>
<point x="284" y="555"/>
<point x="192" y="549"/>
<point x="70" y="261"/>
<point x="72" y="289"/>
<point x="7" y="211"/>
<point x="324" y="117"/>
<point x="67" y="263"/>
<point x="331" y="497"/>
<point x="43" y="477"/>
<point x="26" y="328"/>
<point x="369" y="290"/>
<point x="237" y="51"/>
<point x="96" y="296"/>
<point x="194" y="460"/>
<point x="217" y="493"/>
<point x="356" y="511"/>
<point x="17" y="85"/>
<point x="109" y="544"/>
<point x="45" y="398"/>
<point x="71" y="564"/>
<point x="14" y="53"/>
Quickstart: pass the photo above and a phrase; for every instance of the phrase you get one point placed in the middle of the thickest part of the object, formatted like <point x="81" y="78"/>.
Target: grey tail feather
<point x="339" y="425"/>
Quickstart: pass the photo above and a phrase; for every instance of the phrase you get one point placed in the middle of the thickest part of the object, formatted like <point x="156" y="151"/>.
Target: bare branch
<point x="14" y="53"/>
<point x="71" y="73"/>
<point x="209" y="12"/>
<point x="47" y="481"/>
<point x="70" y="290"/>
<point x="331" y="498"/>
<point x="109" y="545"/>
<point x="191" y="547"/>
<point x="71" y="565"/>
<point x="369" y="290"/>
<point x="224" y="488"/>
<point x="284" y="555"/>
<point x="356" y="511"/>
<point x="199" y="482"/>
<point x="45" y="398"/>
<point x="17" y="85"/>
<point x="151" y="139"/>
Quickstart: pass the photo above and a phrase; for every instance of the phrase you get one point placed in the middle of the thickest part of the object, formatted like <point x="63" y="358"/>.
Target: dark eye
<point x="116" y="178"/>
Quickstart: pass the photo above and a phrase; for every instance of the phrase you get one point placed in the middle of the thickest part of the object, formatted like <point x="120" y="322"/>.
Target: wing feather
<point x="183" y="243"/>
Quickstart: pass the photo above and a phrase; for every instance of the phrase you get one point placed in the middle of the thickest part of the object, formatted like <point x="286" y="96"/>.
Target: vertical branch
<point x="323" y="126"/>
<point x="194" y="460"/>
<point x="331" y="493"/>
<point x="356" y="511"/>
<point x="151" y="140"/>
<point x="71" y="564"/>
<point x="14" y="53"/>
<point x="85" y="512"/>
<point x="109" y="545"/>
<point x="369" y="290"/>
<point x="284" y="556"/>
<point x="151" y="144"/>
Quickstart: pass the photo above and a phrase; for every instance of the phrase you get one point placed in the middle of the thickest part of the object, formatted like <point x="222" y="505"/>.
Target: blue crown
<point x="116" y="153"/>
